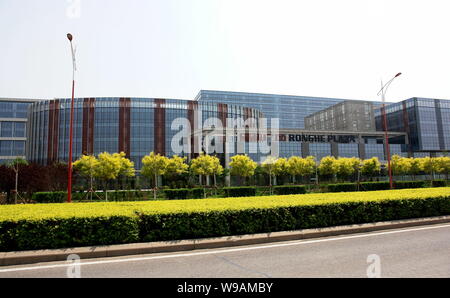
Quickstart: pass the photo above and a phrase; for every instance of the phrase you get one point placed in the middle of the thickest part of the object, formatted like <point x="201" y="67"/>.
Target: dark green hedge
<point x="439" y="183"/>
<point x="184" y="193"/>
<point x="368" y="186"/>
<point x="409" y="184"/>
<point x="50" y="197"/>
<point x="177" y="194"/>
<point x="61" y="196"/>
<point x="72" y="232"/>
<point x="225" y="223"/>
<point x="69" y="232"/>
<point x="340" y="187"/>
<point x="197" y="193"/>
<point x="289" y="189"/>
<point x="244" y="191"/>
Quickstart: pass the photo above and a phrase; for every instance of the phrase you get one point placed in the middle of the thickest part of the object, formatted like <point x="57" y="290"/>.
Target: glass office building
<point x="13" y="121"/>
<point x="291" y="110"/>
<point x="136" y="126"/>
<point x="425" y="120"/>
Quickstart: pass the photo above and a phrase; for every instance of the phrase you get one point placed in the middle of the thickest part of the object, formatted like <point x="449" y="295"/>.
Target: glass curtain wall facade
<point x="426" y="120"/>
<point x="136" y="126"/>
<point x="13" y="133"/>
<point x="291" y="110"/>
<point x="348" y="115"/>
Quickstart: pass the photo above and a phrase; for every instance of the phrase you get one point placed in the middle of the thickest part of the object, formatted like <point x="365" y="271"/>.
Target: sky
<point x="174" y="48"/>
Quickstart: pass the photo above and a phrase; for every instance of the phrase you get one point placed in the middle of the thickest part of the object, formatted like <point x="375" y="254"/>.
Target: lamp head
<point x="397" y="75"/>
<point x="69" y="36"/>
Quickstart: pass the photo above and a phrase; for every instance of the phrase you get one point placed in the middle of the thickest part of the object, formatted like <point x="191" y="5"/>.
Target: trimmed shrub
<point x="67" y="232"/>
<point x="196" y="193"/>
<point x="371" y="186"/>
<point x="125" y="195"/>
<point x="159" y="227"/>
<point x="438" y="183"/>
<point x="409" y="184"/>
<point x="383" y="185"/>
<point x="50" y="197"/>
<point x="244" y="191"/>
<point x="340" y="187"/>
<point x="61" y="196"/>
<point x="25" y="227"/>
<point x="177" y="194"/>
<point x="289" y="189"/>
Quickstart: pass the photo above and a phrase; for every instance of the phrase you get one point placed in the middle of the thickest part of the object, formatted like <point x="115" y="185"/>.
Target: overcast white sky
<point x="174" y="48"/>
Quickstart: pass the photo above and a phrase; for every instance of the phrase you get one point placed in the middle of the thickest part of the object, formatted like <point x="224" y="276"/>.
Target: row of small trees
<point x="116" y="166"/>
<point x="415" y="166"/>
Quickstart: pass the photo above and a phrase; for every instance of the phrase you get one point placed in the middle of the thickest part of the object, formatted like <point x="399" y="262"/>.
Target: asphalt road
<point x="411" y="252"/>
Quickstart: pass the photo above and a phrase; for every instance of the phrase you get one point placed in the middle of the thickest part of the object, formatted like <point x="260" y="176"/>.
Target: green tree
<point x="328" y="166"/>
<point x="108" y="168"/>
<point x="154" y="165"/>
<point x="280" y="167"/>
<point x="217" y="169"/>
<point x="371" y="167"/>
<point x="400" y="165"/>
<point x="126" y="166"/>
<point x="298" y="166"/>
<point x="86" y="165"/>
<point x="430" y="166"/>
<point x="242" y="166"/>
<point x="443" y="166"/>
<point x="207" y="165"/>
<point x="268" y="166"/>
<point x="15" y="166"/>
<point x="295" y="165"/>
<point x="415" y="167"/>
<point x="176" y="167"/>
<point x="203" y="165"/>
<point x="347" y="167"/>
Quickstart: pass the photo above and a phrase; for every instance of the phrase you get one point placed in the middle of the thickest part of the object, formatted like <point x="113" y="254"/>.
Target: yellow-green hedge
<point x="79" y="224"/>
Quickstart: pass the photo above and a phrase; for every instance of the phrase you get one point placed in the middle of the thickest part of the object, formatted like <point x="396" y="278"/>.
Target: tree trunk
<point x="17" y="182"/>
<point x="215" y="185"/>
<point x="359" y="180"/>
<point x="91" y="190"/>
<point x="105" y="190"/>
<point x="156" y="186"/>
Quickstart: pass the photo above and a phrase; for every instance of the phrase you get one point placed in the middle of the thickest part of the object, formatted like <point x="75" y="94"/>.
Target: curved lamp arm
<point x="385" y="87"/>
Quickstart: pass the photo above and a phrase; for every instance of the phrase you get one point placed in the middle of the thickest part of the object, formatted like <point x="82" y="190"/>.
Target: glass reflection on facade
<point x="136" y="126"/>
<point x="291" y="110"/>
<point x="426" y="120"/>
<point x="13" y="133"/>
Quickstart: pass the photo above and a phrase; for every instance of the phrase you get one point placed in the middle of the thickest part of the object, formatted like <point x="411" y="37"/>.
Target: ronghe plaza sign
<point x="318" y="138"/>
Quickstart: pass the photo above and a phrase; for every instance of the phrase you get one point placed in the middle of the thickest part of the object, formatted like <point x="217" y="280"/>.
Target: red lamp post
<point x="386" y="137"/>
<point x="69" y="178"/>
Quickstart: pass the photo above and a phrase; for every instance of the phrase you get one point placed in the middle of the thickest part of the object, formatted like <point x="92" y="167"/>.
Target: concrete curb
<point x="50" y="255"/>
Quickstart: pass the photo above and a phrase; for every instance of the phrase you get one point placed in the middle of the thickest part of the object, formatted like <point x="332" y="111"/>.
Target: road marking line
<point x="297" y="242"/>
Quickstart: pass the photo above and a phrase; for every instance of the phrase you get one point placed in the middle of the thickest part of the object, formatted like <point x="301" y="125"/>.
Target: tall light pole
<point x="69" y="178"/>
<point x="383" y="91"/>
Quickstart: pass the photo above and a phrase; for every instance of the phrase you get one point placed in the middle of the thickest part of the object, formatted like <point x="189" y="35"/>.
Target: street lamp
<point x="69" y="178"/>
<point x="383" y="91"/>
